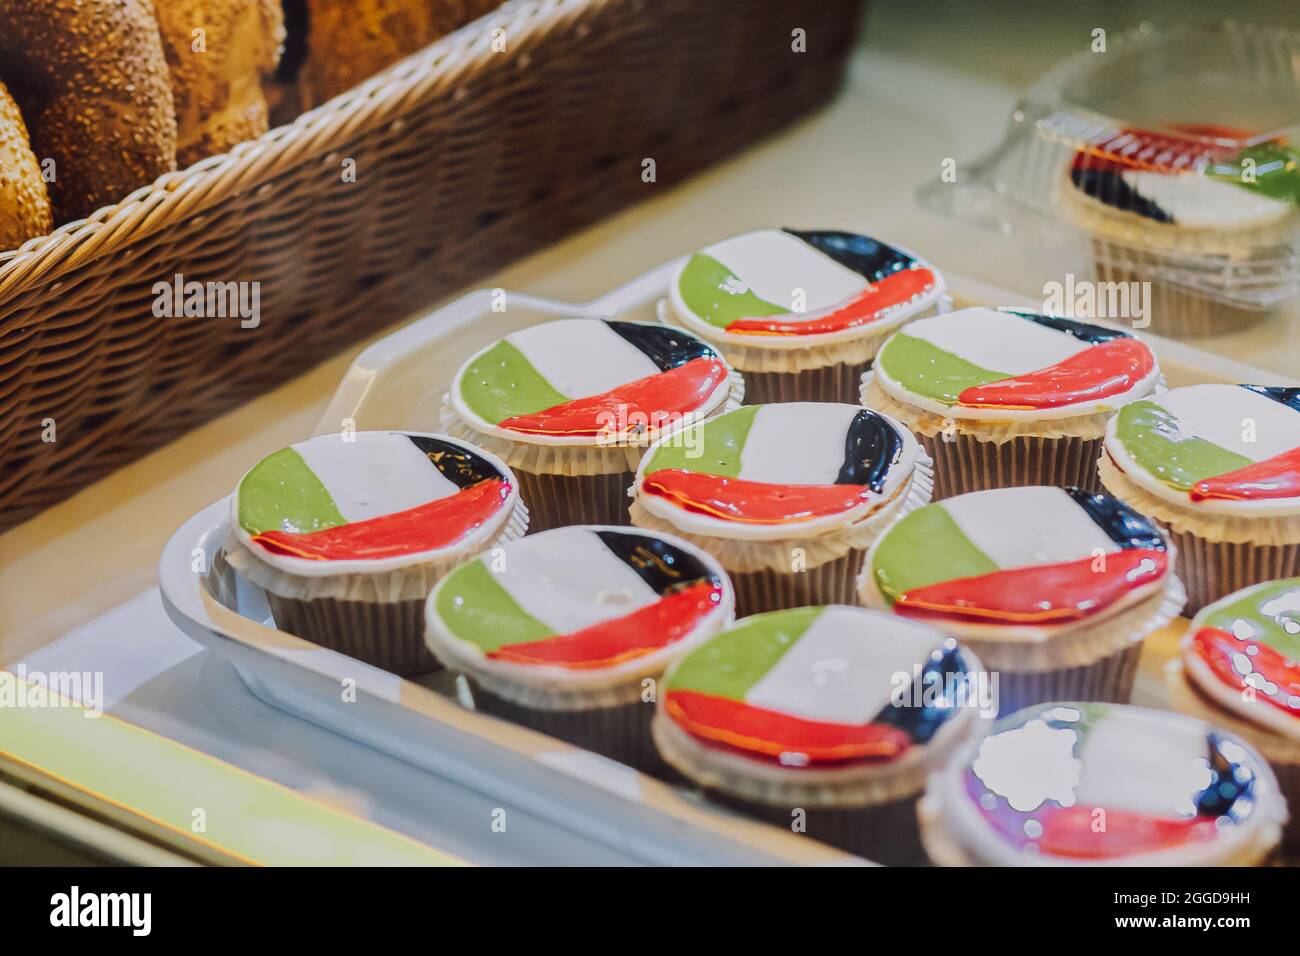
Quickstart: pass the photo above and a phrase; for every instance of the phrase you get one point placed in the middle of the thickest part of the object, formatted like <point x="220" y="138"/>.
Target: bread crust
<point x="24" y="202"/>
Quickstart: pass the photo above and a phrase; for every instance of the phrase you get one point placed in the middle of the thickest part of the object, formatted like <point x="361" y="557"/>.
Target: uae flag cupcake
<point x="571" y="404"/>
<point x="1003" y="397"/>
<point x="568" y="631"/>
<point x="348" y="533"/>
<point x="801" y="314"/>
<point x="787" y="496"/>
<point x="1089" y="784"/>
<point x="823" y="720"/>
<point x="1219" y="467"/>
<point x="1240" y="670"/>
<point x="1054" y="588"/>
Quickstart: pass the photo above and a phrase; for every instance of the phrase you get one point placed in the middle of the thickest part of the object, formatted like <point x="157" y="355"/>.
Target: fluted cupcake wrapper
<point x="387" y="635"/>
<point x="963" y="463"/>
<point x="830" y="383"/>
<point x="1109" y="679"/>
<point x="834" y="582"/>
<point x="1214" y="569"/>
<point x="555" y="501"/>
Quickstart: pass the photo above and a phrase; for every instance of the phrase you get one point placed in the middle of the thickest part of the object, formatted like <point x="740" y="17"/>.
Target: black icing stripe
<point x="1108" y="187"/>
<point x="871" y="448"/>
<point x="663" y="566"/>
<point x="869" y="258"/>
<point x="1290" y="397"/>
<point x="1121" y="523"/>
<point x="664" y="345"/>
<point x="1231" y="789"/>
<point x="1083" y="331"/>
<point x="944" y="671"/>
<point x="458" y="464"/>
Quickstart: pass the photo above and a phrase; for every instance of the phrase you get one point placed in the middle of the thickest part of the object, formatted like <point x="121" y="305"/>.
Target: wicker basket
<point x="465" y="159"/>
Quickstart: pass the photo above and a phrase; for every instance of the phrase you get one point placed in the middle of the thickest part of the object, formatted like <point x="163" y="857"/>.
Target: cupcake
<point x="1003" y="397"/>
<point x="1054" y="588"/>
<point x="571" y="405"/>
<point x="348" y="533"/>
<point x="801" y="314"/>
<point x="1239" y="671"/>
<point x="568" y="631"/>
<point x="1219" y="466"/>
<point x="824" y="720"/>
<point x="785" y="496"/>
<point x="1102" y="784"/>
<point x="1178" y="203"/>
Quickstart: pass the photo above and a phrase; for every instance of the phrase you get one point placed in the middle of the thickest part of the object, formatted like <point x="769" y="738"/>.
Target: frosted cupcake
<point x="826" y="721"/>
<point x="571" y="405"/>
<point x="568" y="631"/>
<point x="1054" y="588"/>
<point x="1219" y="466"/>
<point x="1239" y="671"/>
<point x="1102" y="784"/>
<point x="1002" y="397"/>
<point x="800" y="314"/>
<point x="785" y="496"/>
<point x="349" y="533"/>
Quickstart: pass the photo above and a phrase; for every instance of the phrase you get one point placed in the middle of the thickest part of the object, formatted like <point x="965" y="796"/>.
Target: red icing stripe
<point x="1216" y="647"/>
<point x="427" y="527"/>
<point x="1157" y="152"/>
<point x="1109" y="368"/>
<point x="866" y="307"/>
<point x="652" y="401"/>
<point x="622" y="638"/>
<point x="1276" y="477"/>
<point x="751" y="502"/>
<point x="1077" y="832"/>
<point x="771" y="733"/>
<point x="1041" y="594"/>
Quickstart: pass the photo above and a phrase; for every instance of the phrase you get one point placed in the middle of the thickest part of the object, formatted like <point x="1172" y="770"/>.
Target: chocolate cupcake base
<point x="834" y="582"/>
<point x="1109" y="680"/>
<point x="1211" y="570"/>
<point x="389" y="636"/>
<point x="555" y="501"/>
<point x="965" y="463"/>
<point x="830" y="383"/>
<point x="621" y="733"/>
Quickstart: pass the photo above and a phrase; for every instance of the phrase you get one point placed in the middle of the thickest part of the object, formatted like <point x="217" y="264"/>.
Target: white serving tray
<point x="398" y="383"/>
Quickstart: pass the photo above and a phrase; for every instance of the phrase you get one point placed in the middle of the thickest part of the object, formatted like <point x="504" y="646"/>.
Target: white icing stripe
<point x="569" y="580"/>
<point x="996" y="340"/>
<point x="582" y="357"/>
<point x="379" y="473"/>
<point x="799" y="443"/>
<point x="1143" y="762"/>
<point x="1222" y="414"/>
<point x="774" y="264"/>
<point x="1198" y="201"/>
<point x="1020" y="527"/>
<point x="841" y="670"/>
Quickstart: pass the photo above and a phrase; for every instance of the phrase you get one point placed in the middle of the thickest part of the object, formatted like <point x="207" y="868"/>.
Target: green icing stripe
<point x="925" y="547"/>
<point x="927" y="370"/>
<point x="476" y="608"/>
<point x="706" y="287"/>
<point x="737" y="659"/>
<point x="1268" y="629"/>
<point x="282" y="494"/>
<point x="1276" y="168"/>
<point x="1151" y="435"/>
<point x="501" y="383"/>
<point x="714" y="448"/>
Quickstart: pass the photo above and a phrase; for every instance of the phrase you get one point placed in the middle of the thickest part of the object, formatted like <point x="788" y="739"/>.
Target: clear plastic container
<point x="1169" y="158"/>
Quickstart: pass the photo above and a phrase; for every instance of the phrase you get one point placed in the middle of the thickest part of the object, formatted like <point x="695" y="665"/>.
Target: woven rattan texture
<point x="465" y="159"/>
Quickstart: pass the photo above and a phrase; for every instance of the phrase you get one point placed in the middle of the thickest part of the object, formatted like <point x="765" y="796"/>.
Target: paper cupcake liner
<point x="1281" y="752"/>
<point x="621" y="732"/>
<point x="739" y="557"/>
<point x="885" y="833"/>
<point x="829" y="383"/>
<point x="963" y="463"/>
<point x="832" y="583"/>
<point x="558" y="500"/>
<point x="387" y="636"/>
<point x="570" y="460"/>
<point x="1109" y="680"/>
<point x="1215" y="569"/>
